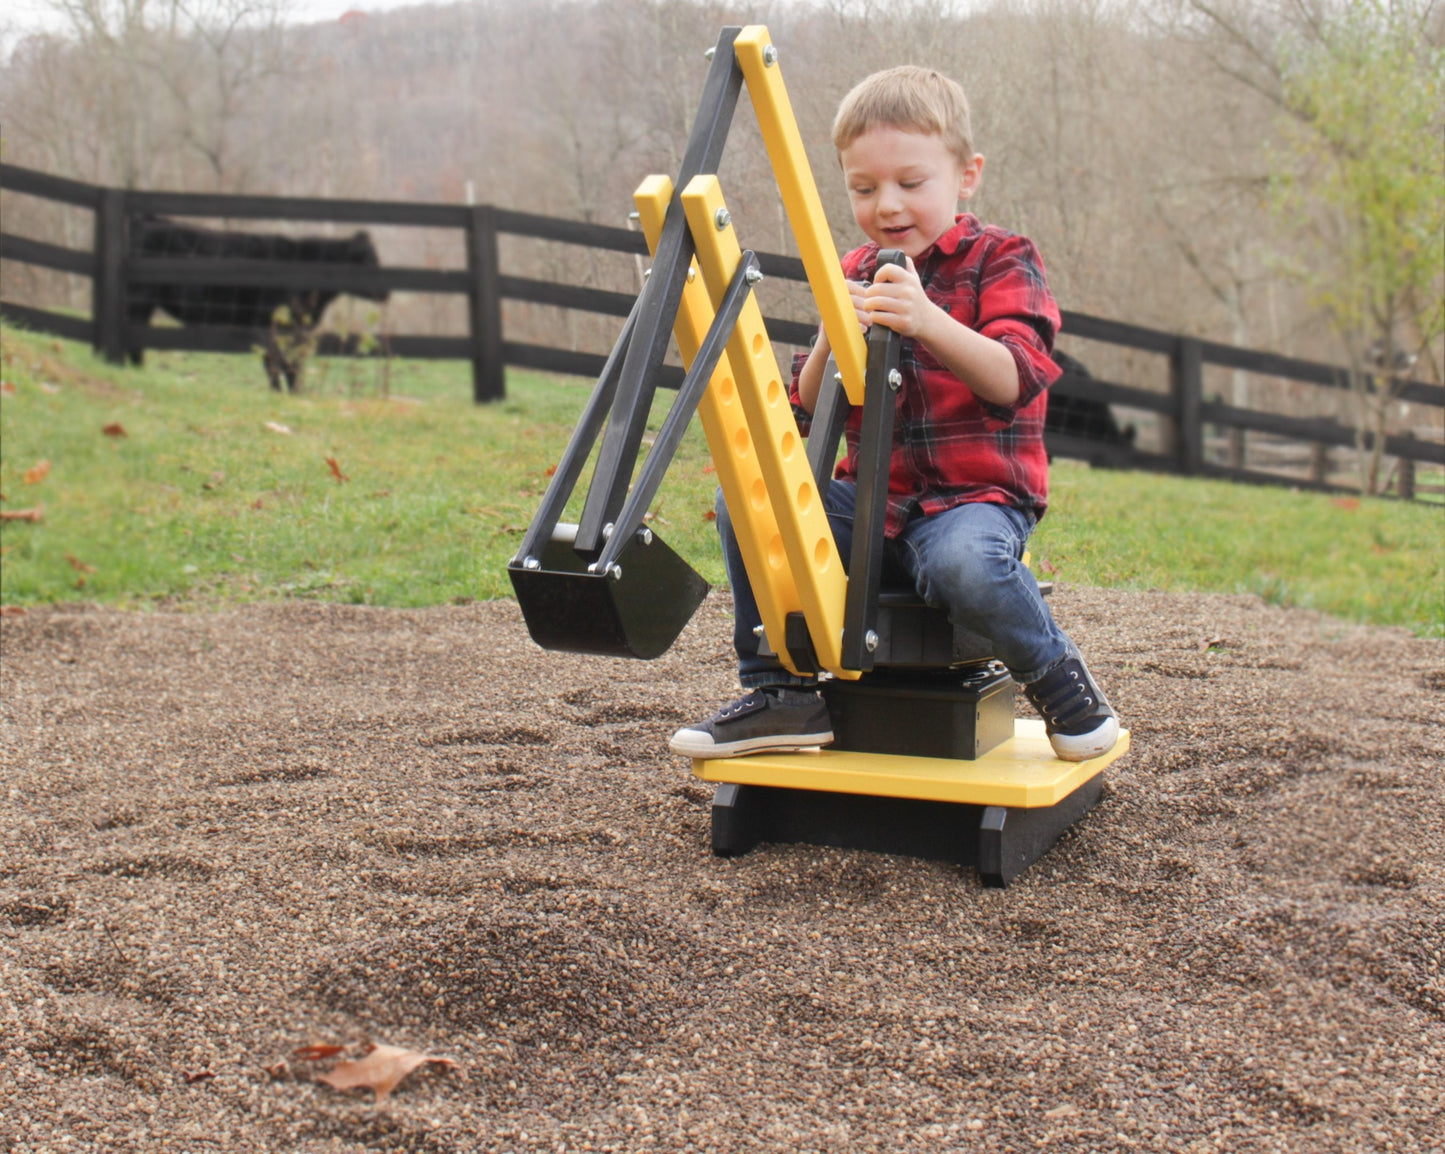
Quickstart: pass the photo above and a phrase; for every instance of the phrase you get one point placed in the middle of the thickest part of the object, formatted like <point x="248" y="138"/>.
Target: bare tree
<point x="159" y="86"/>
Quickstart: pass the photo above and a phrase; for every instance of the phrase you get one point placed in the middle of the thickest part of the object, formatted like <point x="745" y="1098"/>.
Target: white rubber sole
<point x="1086" y="745"/>
<point x="700" y="746"/>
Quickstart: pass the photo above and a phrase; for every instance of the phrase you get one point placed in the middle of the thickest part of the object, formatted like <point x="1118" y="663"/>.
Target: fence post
<point x="1319" y="462"/>
<point x="1186" y="383"/>
<point x="485" y="306"/>
<point x="107" y="293"/>
<point x="1405" y="476"/>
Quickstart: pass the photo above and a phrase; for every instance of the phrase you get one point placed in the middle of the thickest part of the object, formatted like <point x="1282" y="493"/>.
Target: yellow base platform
<point x="1021" y="773"/>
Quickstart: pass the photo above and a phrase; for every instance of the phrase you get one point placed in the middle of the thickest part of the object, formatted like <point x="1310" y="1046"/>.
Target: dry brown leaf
<point x="12" y="611"/>
<point x="316" y="1051"/>
<point x="35" y="514"/>
<point x="336" y="469"/>
<point x="78" y="565"/>
<point x="193" y="1076"/>
<point x="114" y="429"/>
<point x="381" y="1070"/>
<point x="36" y="473"/>
<point x="710" y="515"/>
<point x="7" y="388"/>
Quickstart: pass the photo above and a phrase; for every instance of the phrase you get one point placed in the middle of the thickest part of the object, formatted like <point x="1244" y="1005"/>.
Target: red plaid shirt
<point x="948" y="446"/>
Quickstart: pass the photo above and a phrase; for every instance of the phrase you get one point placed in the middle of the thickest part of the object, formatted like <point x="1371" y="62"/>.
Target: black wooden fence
<point x="1185" y="412"/>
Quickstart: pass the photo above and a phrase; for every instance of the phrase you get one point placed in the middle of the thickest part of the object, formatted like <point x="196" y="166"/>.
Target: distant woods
<point x="1146" y="145"/>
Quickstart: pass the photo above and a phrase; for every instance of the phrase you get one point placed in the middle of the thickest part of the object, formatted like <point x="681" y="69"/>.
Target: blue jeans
<point x="966" y="562"/>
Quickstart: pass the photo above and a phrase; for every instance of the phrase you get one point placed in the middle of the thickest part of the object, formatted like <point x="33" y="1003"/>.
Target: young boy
<point x="968" y="473"/>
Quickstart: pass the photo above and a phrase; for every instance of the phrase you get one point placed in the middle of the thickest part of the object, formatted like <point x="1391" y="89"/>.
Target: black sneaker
<point x="1079" y="722"/>
<point x="772" y="719"/>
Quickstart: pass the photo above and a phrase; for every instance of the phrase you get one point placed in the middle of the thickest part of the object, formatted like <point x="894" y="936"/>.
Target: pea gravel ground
<point x="225" y="835"/>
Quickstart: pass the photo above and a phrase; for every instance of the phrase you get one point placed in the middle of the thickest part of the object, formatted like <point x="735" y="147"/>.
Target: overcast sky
<point x="30" y="15"/>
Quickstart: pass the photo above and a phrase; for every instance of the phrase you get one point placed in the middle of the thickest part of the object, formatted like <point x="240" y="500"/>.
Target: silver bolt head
<point x="838" y="377"/>
<point x="870" y="639"/>
<point x="710" y="53"/>
<point x="895" y="379"/>
<point x="531" y="563"/>
<point x="753" y="275"/>
<point x="770" y="56"/>
<point x="722" y="218"/>
<point x="758" y="630"/>
<point x="691" y="275"/>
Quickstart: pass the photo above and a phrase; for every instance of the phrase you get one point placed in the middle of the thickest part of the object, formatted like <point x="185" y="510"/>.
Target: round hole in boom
<point x="741" y="442"/>
<point x="788" y="445"/>
<point x="758" y="495"/>
<point x="777" y="555"/>
<point x="822" y="555"/>
<point x="805" y="497"/>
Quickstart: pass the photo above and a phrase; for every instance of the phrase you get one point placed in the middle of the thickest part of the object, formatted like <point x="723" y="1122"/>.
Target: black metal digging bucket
<point x="637" y="612"/>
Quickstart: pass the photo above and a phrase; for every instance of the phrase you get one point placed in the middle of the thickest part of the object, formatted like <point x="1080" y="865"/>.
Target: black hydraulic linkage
<point x="658" y="302"/>
<point x="664" y="445"/>
<point x="875" y="448"/>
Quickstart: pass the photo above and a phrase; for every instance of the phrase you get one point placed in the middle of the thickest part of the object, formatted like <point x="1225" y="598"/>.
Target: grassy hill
<point x="188" y="483"/>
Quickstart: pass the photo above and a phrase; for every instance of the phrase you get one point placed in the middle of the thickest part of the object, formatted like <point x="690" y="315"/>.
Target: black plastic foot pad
<point x="1000" y="843"/>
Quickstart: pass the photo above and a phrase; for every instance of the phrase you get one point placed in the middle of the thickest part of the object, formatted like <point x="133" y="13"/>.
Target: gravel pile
<point x="227" y="835"/>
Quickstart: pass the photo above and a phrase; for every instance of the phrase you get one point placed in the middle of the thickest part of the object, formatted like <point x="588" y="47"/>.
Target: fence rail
<point x="1183" y="410"/>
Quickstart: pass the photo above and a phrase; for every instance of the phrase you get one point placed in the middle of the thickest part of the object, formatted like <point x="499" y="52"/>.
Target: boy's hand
<point x="857" y="292"/>
<point x="896" y="300"/>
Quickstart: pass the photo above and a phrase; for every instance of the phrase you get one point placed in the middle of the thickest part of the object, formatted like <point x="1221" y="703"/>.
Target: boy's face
<point x="905" y="186"/>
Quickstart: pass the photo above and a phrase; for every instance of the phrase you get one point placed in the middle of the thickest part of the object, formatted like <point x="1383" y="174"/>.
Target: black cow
<point x="1080" y="417"/>
<point x="244" y="306"/>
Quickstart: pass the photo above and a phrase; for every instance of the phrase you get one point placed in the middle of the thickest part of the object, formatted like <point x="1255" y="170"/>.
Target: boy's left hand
<point x="896" y="300"/>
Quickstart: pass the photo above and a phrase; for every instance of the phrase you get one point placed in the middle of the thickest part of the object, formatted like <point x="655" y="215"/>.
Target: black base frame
<point x="998" y="842"/>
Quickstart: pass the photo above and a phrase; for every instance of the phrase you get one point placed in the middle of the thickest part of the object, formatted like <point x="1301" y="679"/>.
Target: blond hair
<point x="910" y="98"/>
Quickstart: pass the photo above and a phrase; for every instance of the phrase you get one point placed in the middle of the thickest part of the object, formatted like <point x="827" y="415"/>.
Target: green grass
<point x="201" y="504"/>
<point x="1373" y="561"/>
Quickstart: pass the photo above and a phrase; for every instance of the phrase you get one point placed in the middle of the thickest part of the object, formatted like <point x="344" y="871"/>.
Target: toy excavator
<point x="927" y="759"/>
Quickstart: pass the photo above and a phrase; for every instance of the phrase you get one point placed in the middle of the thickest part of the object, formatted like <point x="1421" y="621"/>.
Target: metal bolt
<point x="645" y="535"/>
<point x="607" y="530"/>
<point x="722" y="218"/>
<point x="870" y="639"/>
<point x="634" y="215"/>
<point x="710" y="53"/>
<point x="770" y="56"/>
<point x="753" y="275"/>
<point x="691" y="275"/>
<point x="758" y="630"/>
<point x="895" y="379"/>
<point x="614" y="571"/>
<point x="838" y="377"/>
<point x="531" y="563"/>
<point x="647" y="272"/>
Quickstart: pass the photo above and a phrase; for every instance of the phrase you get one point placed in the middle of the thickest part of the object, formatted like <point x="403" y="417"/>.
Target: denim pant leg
<point x="968" y="562"/>
<point x="754" y="669"/>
